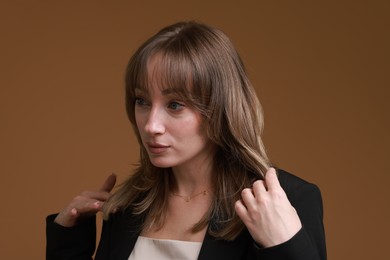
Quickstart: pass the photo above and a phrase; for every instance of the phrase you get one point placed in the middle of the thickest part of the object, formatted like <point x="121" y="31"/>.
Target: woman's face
<point x="171" y="131"/>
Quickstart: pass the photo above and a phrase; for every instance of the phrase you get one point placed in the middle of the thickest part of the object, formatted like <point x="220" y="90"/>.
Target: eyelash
<point x="173" y="105"/>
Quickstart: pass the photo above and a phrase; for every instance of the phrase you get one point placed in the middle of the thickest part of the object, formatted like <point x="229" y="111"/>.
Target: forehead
<point x="153" y="89"/>
<point x="168" y="73"/>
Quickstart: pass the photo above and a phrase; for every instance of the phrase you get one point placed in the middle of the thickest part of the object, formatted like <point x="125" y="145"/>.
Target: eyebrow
<point x="140" y="89"/>
<point x="165" y="92"/>
<point x="170" y="91"/>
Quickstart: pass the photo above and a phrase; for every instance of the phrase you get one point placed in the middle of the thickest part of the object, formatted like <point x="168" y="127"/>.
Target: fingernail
<point x="73" y="211"/>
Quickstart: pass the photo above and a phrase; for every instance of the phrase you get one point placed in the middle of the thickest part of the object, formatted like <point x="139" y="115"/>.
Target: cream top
<point x="164" y="249"/>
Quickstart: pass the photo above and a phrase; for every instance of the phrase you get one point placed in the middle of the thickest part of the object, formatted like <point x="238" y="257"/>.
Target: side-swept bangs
<point x="173" y="71"/>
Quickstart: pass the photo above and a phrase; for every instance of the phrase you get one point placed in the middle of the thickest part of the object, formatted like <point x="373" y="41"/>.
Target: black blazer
<point x="120" y="233"/>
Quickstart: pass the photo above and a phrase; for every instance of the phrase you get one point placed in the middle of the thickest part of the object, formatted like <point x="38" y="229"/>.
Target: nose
<point x="155" y="123"/>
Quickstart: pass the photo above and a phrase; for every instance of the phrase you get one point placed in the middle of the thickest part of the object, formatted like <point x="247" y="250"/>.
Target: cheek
<point x="191" y="128"/>
<point x="139" y="122"/>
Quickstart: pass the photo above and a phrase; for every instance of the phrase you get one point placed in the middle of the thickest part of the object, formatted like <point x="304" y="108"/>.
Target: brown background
<point x="321" y="69"/>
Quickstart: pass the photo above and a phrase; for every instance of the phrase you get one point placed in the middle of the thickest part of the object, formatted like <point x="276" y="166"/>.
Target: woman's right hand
<point x="86" y="204"/>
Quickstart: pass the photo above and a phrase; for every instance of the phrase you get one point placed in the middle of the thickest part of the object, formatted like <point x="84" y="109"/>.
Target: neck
<point x="192" y="180"/>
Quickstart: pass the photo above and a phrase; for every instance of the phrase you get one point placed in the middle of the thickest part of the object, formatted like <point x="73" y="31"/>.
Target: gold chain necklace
<point x="188" y="198"/>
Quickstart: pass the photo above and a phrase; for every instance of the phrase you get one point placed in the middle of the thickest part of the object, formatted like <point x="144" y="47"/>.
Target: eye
<point x="175" y="106"/>
<point x="140" y="101"/>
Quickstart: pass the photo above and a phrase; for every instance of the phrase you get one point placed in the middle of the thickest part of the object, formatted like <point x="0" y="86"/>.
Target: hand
<point x="87" y="203"/>
<point x="267" y="212"/>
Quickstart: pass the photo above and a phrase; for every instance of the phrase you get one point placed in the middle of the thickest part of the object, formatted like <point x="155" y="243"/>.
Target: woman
<point x="204" y="188"/>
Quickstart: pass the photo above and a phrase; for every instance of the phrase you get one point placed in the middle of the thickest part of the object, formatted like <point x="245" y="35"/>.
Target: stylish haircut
<point x="200" y="64"/>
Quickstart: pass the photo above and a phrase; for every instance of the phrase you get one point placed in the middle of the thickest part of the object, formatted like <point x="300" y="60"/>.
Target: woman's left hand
<point x="267" y="212"/>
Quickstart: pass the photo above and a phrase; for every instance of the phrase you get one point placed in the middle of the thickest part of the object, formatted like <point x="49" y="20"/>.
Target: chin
<point x="157" y="162"/>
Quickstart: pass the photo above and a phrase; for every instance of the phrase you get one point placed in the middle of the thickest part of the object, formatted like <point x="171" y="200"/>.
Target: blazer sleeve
<point x="309" y="242"/>
<point x="76" y="243"/>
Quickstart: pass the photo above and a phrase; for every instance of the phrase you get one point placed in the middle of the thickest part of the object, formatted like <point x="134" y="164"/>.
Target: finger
<point x="248" y="198"/>
<point x="271" y="180"/>
<point x="241" y="210"/>
<point x="88" y="207"/>
<point x="259" y="188"/>
<point x="97" y="195"/>
<point x="109" y="183"/>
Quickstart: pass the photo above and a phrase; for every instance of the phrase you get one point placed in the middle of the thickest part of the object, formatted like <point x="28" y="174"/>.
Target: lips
<point x="157" y="148"/>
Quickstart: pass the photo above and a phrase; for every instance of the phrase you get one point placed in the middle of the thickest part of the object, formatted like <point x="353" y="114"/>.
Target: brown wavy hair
<point x="201" y="65"/>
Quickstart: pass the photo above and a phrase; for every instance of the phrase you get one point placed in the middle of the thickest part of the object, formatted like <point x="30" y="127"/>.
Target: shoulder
<point x="301" y="193"/>
<point x="293" y="184"/>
